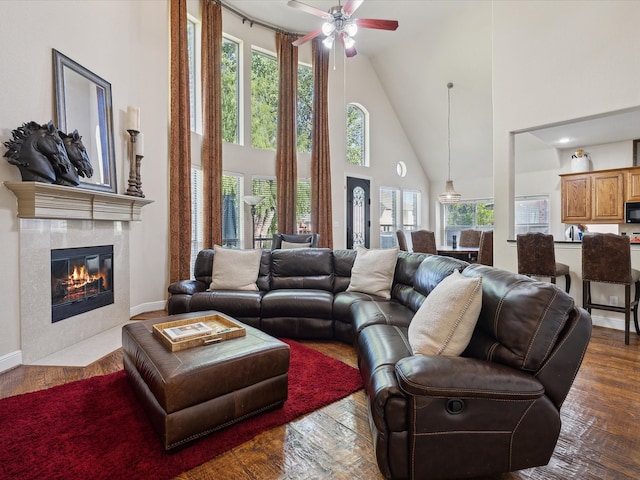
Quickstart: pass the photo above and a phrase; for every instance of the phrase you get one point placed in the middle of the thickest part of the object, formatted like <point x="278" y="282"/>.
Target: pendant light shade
<point x="449" y="195"/>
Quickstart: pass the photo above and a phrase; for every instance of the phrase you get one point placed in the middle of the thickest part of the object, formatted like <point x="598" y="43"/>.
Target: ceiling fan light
<point x="449" y="195"/>
<point x="328" y="28"/>
<point x="328" y="42"/>
<point x="348" y="41"/>
<point x="351" y="29"/>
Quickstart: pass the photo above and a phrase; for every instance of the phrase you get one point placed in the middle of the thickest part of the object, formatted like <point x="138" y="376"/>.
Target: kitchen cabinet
<point x="599" y="196"/>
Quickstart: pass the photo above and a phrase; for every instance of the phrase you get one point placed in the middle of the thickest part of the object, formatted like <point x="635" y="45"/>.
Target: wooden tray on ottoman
<point x="223" y="329"/>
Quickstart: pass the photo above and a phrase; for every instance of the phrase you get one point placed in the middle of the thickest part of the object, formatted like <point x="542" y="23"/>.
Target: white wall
<point x="126" y="43"/>
<point x="553" y="62"/>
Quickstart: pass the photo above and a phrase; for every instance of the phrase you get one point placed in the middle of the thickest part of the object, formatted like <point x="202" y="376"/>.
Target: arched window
<point x="357" y="135"/>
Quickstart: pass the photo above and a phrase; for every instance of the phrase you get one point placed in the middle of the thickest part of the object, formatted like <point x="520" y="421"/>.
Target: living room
<point x="586" y="48"/>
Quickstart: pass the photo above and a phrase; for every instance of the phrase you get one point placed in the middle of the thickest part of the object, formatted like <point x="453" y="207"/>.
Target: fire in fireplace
<point x="81" y="280"/>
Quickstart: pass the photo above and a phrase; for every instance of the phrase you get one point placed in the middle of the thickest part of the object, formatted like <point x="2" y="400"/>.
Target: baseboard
<point x="10" y="360"/>
<point x="147" y="307"/>
<point x="607" y="322"/>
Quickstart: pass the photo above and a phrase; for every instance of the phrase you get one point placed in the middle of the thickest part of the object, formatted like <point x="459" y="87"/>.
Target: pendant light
<point x="449" y="195"/>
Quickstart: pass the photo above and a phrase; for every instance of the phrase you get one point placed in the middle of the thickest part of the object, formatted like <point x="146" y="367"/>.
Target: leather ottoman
<point x="190" y="393"/>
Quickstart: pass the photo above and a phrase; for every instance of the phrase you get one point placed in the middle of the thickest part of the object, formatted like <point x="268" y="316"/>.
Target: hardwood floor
<point x="599" y="437"/>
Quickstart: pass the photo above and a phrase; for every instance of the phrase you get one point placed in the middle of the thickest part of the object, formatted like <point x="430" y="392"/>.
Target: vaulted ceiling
<point x="437" y="41"/>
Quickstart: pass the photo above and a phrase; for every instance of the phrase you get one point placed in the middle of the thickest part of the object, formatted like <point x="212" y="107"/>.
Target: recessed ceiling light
<point x="564" y="140"/>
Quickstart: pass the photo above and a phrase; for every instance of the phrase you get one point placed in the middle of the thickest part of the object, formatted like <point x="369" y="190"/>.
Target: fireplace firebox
<point x="81" y="280"/>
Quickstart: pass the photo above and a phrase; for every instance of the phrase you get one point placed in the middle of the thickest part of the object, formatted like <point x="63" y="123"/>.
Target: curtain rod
<point x="252" y="21"/>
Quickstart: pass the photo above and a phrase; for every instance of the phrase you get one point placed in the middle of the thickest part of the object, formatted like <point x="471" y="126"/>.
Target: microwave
<point x="632" y="212"/>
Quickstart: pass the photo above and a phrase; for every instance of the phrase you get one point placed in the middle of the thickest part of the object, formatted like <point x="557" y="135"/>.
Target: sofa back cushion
<point x="342" y="264"/>
<point x="520" y="320"/>
<point x="310" y="268"/>
<point x="406" y="267"/>
<point x="203" y="268"/>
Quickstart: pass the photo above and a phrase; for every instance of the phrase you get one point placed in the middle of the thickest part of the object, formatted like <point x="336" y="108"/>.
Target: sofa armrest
<point x="187" y="287"/>
<point x="440" y="376"/>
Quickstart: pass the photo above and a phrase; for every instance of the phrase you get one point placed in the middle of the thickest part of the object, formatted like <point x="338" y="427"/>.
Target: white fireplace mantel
<point x="44" y="200"/>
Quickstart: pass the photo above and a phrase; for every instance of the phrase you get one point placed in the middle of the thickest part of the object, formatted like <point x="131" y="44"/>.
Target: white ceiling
<point x="437" y="42"/>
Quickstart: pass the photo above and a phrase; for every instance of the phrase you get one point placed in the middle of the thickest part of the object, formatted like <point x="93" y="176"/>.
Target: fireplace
<point x="81" y="280"/>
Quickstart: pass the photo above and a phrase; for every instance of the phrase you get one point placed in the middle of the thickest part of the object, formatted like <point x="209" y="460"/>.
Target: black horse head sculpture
<point x="38" y="152"/>
<point x="77" y="153"/>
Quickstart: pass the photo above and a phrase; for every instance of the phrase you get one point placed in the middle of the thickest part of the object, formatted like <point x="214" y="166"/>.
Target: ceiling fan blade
<point x="351" y="6"/>
<point x="307" y="8"/>
<point x="349" y="52"/>
<point x="307" y="37"/>
<point x="376" y="23"/>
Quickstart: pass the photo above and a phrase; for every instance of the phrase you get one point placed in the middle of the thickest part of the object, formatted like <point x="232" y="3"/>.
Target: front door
<point x="358" y="212"/>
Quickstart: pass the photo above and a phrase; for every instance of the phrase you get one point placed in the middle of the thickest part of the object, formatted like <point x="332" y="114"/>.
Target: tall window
<point x="303" y="206"/>
<point x="231" y="203"/>
<point x="389" y="201"/>
<point x="264" y="100"/>
<point x="192" y="49"/>
<point x="197" y="230"/>
<point x="265" y="221"/>
<point x="356" y="135"/>
<point x="410" y="210"/>
<point x="230" y="91"/>
<point x="304" y="107"/>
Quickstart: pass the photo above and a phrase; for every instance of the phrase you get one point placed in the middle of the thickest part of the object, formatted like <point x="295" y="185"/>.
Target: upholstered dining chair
<point x="424" y="241"/>
<point x="303" y="239"/>
<point x="606" y="258"/>
<point x="485" y="250"/>
<point x="470" y="238"/>
<point x="402" y="240"/>
<point x="537" y="258"/>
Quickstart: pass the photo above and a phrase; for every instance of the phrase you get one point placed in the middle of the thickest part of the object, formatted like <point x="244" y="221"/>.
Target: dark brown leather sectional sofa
<point x="494" y="409"/>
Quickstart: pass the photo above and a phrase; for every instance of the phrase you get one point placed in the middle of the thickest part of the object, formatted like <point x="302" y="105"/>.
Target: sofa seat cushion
<point x="364" y="314"/>
<point x="237" y="303"/>
<point x="297" y="303"/>
<point x="379" y="348"/>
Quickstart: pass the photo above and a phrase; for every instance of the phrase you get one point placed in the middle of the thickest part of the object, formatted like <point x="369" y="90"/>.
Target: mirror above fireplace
<point x="83" y="103"/>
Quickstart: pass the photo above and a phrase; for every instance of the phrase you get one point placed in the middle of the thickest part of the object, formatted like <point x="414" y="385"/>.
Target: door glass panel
<point x="358" y="217"/>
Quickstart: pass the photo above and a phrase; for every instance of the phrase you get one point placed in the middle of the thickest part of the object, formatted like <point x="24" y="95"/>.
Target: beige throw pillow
<point x="295" y="245"/>
<point x="443" y="325"/>
<point x="373" y="271"/>
<point x="235" y="269"/>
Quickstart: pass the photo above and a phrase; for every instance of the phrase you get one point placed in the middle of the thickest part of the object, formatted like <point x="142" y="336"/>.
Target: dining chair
<point x="402" y="240"/>
<point x="303" y="238"/>
<point x="606" y="258"/>
<point x="537" y="258"/>
<point x="485" y="250"/>
<point x="470" y="238"/>
<point x="424" y="241"/>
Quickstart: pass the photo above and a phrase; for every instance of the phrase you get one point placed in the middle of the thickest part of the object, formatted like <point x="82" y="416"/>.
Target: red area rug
<point x="95" y="428"/>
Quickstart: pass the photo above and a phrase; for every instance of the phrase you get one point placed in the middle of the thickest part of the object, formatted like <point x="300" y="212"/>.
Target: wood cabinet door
<point x="576" y="199"/>
<point x="608" y="197"/>
<point x="633" y="185"/>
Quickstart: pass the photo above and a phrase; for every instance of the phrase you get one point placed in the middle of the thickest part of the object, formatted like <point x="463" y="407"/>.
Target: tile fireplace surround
<point x="54" y="217"/>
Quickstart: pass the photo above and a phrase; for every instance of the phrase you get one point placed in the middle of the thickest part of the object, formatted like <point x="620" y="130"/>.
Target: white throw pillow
<point x="373" y="271"/>
<point x="443" y="325"/>
<point x="235" y="269"/>
<point x="295" y="245"/>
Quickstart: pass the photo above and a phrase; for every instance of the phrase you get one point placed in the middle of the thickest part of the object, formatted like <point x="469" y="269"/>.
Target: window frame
<point x="364" y="156"/>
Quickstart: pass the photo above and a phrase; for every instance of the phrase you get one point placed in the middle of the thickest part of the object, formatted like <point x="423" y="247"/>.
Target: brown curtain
<point x="286" y="159"/>
<point x="179" y="148"/>
<point x="212" y="121"/>
<point x="321" y="218"/>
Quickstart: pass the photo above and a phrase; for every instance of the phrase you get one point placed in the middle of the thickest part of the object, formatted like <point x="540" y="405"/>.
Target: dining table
<point x="463" y="253"/>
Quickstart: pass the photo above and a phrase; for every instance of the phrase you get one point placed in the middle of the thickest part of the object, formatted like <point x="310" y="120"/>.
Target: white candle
<point x="140" y="145"/>
<point x="133" y="118"/>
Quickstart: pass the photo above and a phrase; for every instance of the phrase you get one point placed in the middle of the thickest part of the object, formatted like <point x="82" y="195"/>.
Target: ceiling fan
<point x="339" y="23"/>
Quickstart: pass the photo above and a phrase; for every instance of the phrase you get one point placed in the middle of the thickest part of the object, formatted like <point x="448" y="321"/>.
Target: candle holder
<point x="138" y="182"/>
<point x="134" y="167"/>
